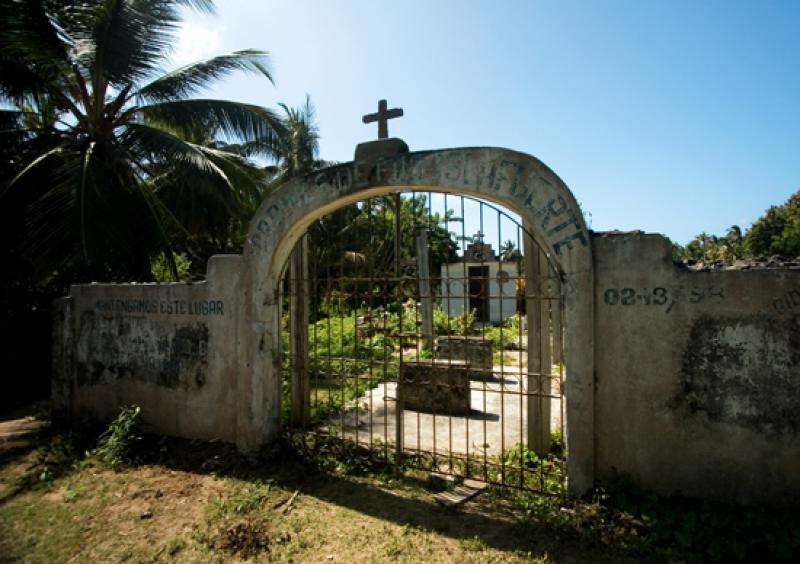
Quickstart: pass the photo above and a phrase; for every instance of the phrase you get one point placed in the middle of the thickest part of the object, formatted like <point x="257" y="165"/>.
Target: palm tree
<point x="508" y="251"/>
<point x="298" y="148"/>
<point x="104" y="141"/>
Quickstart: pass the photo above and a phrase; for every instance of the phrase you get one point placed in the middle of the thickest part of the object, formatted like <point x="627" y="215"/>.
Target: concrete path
<point x="497" y="422"/>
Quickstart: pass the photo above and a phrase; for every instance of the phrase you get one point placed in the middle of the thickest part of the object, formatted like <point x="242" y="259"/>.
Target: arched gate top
<point x="512" y="179"/>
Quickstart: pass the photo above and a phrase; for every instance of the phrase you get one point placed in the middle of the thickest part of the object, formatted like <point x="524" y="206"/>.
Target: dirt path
<point x="18" y="428"/>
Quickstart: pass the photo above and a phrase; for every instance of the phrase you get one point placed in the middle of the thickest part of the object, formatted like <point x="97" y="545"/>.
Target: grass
<point x="188" y="501"/>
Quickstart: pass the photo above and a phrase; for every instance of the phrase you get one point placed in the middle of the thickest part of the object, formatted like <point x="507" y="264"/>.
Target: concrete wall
<point x="170" y="348"/>
<point x="697" y="375"/>
<point x="686" y="382"/>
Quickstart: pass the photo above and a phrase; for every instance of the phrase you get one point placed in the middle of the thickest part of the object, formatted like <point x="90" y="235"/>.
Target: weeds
<point x="246" y="499"/>
<point x="118" y="445"/>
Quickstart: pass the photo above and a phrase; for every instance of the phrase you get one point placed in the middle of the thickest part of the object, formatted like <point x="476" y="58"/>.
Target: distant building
<point x="480" y="281"/>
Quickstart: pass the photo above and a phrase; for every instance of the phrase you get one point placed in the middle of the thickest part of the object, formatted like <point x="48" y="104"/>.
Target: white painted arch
<point x="514" y="180"/>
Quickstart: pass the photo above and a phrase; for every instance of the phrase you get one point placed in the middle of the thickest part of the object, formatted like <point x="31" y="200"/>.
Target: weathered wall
<point x="698" y="375"/>
<point x="686" y="382"/>
<point x="170" y="348"/>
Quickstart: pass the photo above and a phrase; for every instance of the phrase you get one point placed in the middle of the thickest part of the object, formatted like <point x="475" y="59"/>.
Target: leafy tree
<point x="107" y="152"/>
<point x="777" y="232"/>
<point x="712" y="247"/>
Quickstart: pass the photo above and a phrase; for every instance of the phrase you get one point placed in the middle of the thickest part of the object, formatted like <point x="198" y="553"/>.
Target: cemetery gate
<point x="424" y="330"/>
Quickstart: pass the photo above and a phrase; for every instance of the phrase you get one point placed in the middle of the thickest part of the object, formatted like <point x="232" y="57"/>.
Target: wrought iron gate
<point x="425" y="330"/>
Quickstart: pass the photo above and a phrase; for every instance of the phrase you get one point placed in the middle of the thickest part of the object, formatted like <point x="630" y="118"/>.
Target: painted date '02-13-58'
<point x="629" y="296"/>
<point x="661" y="296"/>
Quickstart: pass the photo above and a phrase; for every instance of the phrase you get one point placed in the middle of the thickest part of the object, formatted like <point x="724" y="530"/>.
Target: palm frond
<point x="38" y="161"/>
<point x="235" y="120"/>
<point x="30" y="32"/>
<point x="127" y="40"/>
<point x="33" y="49"/>
<point x="155" y="144"/>
<point x="247" y="180"/>
<point x="190" y="79"/>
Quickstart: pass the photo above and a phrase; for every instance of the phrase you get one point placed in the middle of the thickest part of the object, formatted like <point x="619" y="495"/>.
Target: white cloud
<point x="196" y="42"/>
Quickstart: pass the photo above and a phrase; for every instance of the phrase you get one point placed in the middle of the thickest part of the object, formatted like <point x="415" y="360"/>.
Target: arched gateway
<point x="514" y="180"/>
<point x="203" y="359"/>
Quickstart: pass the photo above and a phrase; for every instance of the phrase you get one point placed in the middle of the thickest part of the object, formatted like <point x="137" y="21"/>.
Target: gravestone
<point x="435" y="386"/>
<point x="475" y="351"/>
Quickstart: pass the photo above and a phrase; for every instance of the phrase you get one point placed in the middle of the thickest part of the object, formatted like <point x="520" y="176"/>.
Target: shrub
<point x="117" y="445"/>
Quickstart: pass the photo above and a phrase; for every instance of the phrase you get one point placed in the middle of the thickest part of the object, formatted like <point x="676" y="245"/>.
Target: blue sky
<point x="670" y="117"/>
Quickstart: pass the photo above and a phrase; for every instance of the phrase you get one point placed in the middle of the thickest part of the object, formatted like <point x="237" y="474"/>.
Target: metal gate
<point x="424" y="330"/>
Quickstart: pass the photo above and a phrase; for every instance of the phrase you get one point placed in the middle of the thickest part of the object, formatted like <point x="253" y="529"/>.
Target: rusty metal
<point x="367" y="323"/>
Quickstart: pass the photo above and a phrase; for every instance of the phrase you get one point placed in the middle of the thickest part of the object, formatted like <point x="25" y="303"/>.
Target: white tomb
<point x="480" y="281"/>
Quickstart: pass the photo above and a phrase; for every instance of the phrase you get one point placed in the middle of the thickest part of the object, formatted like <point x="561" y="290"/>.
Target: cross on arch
<point x="382" y="116"/>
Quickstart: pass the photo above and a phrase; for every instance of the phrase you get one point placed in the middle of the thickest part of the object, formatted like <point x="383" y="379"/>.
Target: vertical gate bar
<point x="545" y="383"/>
<point x="385" y="398"/>
<point x="502" y="356"/>
<point x="523" y="323"/>
<point x="329" y="363"/>
<point x="340" y="347"/>
<point x="384" y="291"/>
<point x="398" y="399"/>
<point x="313" y="361"/>
<point x="561" y="369"/>
<point x="298" y="319"/>
<point x="356" y="363"/>
<point x="284" y="294"/>
<point x="424" y="276"/>
<point x="533" y="306"/>
<point x="369" y="329"/>
<point x="484" y="295"/>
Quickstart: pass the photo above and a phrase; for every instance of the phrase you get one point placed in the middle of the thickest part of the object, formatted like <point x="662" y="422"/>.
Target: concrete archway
<point x="514" y="180"/>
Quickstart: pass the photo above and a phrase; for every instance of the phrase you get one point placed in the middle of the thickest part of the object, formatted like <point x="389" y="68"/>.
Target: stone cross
<point x="382" y="117"/>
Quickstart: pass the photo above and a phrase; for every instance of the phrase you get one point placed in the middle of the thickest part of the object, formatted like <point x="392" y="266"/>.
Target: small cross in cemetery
<point x="383" y="116"/>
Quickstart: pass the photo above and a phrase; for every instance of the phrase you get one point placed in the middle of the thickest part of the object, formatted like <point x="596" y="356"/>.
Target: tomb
<point x="480" y="282"/>
<point x="476" y="351"/>
<point x="435" y="386"/>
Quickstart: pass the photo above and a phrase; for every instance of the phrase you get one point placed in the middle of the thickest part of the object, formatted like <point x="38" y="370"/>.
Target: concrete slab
<point x="497" y="420"/>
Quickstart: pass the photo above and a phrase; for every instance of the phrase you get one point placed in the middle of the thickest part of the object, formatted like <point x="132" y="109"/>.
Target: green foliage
<point x="108" y="161"/>
<point x="527" y="469"/>
<point x="118" y="445"/>
<point x="245" y="499"/>
<point x="507" y="337"/>
<point x="441" y="321"/>
<point x="338" y="337"/>
<point x="707" y="247"/>
<point x="521" y="456"/>
<point x="332" y="454"/>
<point x="161" y="271"/>
<point x="359" y="241"/>
<point x="777" y="232"/>
<point x="334" y="304"/>
<point x="61" y="454"/>
<point x="463" y="324"/>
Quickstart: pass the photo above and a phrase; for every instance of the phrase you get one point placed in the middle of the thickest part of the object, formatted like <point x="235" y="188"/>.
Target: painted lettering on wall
<point x="534" y="189"/>
<point x="661" y="296"/>
<point x="161" y="307"/>
<point x="788" y="303"/>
